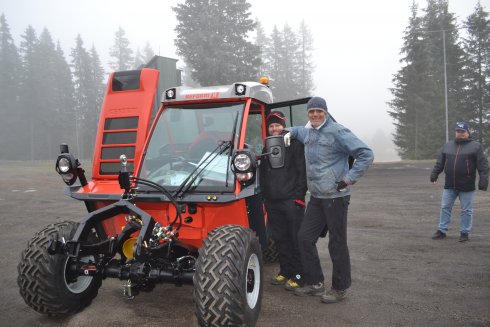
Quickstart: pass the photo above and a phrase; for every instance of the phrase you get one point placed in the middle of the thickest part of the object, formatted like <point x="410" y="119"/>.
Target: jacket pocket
<point x="324" y="184"/>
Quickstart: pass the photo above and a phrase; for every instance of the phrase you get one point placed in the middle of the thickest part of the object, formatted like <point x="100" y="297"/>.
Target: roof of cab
<point x="236" y="90"/>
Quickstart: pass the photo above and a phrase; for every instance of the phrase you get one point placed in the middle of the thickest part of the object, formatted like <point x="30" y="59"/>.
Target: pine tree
<point x="139" y="61"/>
<point x="95" y="96"/>
<point x="10" y="66"/>
<point x="121" y="52"/>
<point x="477" y="50"/>
<point x="262" y="41"/>
<point x="305" y="61"/>
<point x="442" y="36"/>
<point x="275" y="54"/>
<point x="65" y="105"/>
<point x="418" y="106"/>
<point x="29" y="81"/>
<point x="288" y="80"/>
<point x="411" y="90"/>
<point x="82" y="76"/>
<point x="48" y="103"/>
<point x="141" y="58"/>
<point x="148" y="53"/>
<point x="284" y="61"/>
<point x="212" y="38"/>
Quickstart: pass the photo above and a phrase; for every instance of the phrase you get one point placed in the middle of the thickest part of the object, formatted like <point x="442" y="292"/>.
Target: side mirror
<point x="274" y="148"/>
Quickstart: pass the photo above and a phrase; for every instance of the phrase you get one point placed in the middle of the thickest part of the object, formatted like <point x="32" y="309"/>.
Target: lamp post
<point x="445" y="82"/>
<point x="445" y="76"/>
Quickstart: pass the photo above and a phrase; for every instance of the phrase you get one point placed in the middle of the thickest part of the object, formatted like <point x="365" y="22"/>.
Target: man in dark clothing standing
<point x="460" y="159"/>
<point x="284" y="192"/>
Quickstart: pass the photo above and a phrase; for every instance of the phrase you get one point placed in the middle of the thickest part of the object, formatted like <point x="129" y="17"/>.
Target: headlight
<point x="66" y="166"/>
<point x="244" y="177"/>
<point x="242" y="162"/>
<point x="244" y="166"/>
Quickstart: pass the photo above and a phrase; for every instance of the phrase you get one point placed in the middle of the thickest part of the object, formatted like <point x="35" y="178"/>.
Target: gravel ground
<point x="400" y="276"/>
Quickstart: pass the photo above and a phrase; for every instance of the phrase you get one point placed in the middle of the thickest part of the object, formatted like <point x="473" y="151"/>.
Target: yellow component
<point x="264" y="80"/>
<point x="128" y="248"/>
<point x="215" y="198"/>
<point x="209" y="198"/>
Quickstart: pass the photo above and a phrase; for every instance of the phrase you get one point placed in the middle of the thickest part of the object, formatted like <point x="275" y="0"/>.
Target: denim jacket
<point x="327" y="151"/>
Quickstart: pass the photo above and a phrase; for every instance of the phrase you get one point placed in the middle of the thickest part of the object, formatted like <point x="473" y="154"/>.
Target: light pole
<point x="445" y="82"/>
<point x="445" y="76"/>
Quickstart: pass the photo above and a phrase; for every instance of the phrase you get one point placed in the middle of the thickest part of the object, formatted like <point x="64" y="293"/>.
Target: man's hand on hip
<point x="342" y="186"/>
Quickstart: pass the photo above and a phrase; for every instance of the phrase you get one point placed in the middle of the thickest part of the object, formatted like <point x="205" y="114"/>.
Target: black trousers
<point x="321" y="214"/>
<point x="285" y="218"/>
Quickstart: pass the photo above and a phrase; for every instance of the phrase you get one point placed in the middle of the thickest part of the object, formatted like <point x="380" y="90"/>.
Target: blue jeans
<point x="466" y="201"/>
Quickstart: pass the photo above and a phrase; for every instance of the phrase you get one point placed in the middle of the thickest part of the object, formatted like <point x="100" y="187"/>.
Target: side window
<point x="295" y="114"/>
<point x="299" y="115"/>
<point x="253" y="137"/>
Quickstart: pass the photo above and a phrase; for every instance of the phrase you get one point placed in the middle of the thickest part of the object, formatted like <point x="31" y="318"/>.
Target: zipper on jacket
<point x="454" y="168"/>
<point x="468" y="167"/>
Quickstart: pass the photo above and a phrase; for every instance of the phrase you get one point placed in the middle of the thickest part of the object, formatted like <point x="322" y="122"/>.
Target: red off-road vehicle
<point x="178" y="202"/>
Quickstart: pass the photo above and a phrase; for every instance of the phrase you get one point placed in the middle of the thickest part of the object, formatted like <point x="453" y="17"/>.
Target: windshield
<point x="190" y="137"/>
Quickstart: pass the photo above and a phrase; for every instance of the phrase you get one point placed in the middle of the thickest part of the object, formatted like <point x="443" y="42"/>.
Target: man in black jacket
<point x="460" y="159"/>
<point x="284" y="192"/>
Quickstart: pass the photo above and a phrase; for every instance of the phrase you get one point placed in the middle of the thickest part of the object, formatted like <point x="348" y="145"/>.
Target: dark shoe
<point x="438" y="235"/>
<point x="315" y="290"/>
<point x="334" y="296"/>
<point x="463" y="237"/>
<point x="278" y="280"/>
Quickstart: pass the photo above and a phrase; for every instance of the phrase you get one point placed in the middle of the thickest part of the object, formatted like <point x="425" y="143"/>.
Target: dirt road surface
<point x="400" y="276"/>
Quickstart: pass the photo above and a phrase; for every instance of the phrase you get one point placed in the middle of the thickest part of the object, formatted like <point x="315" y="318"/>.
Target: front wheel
<point x="228" y="278"/>
<point x="45" y="281"/>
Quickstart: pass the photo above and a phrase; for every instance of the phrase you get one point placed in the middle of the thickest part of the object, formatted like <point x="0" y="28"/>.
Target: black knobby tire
<point x="270" y="253"/>
<point x="43" y="281"/>
<point x="228" y="278"/>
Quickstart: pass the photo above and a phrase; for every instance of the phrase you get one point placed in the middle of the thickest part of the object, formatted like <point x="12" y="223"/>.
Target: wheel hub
<point x="253" y="281"/>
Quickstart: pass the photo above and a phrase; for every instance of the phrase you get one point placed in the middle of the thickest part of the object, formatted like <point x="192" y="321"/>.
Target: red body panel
<point x="122" y="104"/>
<point x="207" y="217"/>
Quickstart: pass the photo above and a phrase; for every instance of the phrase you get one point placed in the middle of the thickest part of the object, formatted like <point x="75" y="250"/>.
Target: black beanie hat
<point x="276" y="117"/>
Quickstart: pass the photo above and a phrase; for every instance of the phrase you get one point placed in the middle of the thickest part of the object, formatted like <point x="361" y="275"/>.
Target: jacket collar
<point x="462" y="140"/>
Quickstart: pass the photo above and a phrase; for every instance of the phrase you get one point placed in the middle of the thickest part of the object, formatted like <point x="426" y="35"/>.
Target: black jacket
<point x="288" y="182"/>
<point x="460" y="159"/>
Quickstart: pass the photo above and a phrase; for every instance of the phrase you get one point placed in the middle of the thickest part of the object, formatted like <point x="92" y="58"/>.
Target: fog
<point x="357" y="44"/>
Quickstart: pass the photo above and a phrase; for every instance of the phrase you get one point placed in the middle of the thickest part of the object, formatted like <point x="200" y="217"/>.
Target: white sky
<point x="357" y="42"/>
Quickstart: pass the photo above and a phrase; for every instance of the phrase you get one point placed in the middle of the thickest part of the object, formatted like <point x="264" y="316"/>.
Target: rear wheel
<point x="45" y="281"/>
<point x="228" y="278"/>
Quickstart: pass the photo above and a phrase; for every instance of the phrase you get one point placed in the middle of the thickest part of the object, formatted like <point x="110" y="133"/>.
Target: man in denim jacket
<point x="328" y="146"/>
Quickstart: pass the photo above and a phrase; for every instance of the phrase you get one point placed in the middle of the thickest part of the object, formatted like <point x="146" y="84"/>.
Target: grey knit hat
<point x="317" y="103"/>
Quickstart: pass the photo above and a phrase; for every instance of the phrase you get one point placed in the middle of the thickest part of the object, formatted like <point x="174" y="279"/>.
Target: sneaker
<point x="334" y="296"/>
<point x="279" y="280"/>
<point x="291" y="284"/>
<point x="438" y="235"/>
<point x="315" y="290"/>
<point x="463" y="237"/>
